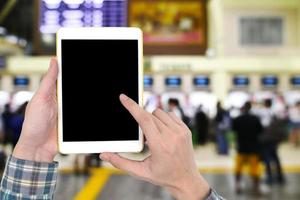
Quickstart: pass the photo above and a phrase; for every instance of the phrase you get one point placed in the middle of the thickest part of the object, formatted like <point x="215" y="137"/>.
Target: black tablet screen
<point x="94" y="74"/>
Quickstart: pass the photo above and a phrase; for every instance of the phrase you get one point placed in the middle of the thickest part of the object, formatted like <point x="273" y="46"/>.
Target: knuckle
<point x="155" y="111"/>
<point x="115" y="162"/>
<point x="146" y="118"/>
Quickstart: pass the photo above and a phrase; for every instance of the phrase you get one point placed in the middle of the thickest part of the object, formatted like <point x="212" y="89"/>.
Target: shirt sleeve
<point x="214" y="196"/>
<point x="26" y="180"/>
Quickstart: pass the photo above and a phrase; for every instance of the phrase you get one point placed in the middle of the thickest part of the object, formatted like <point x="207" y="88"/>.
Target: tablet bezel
<point x="101" y="34"/>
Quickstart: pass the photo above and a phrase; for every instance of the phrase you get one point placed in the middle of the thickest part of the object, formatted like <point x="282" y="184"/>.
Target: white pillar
<point x="7" y="83"/>
<point x="159" y="84"/>
<point x="34" y="82"/>
<point x="220" y="85"/>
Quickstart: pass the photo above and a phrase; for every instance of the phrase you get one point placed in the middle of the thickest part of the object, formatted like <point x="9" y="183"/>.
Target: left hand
<point x="38" y="140"/>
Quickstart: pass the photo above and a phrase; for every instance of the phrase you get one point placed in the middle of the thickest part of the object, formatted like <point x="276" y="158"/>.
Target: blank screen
<point x="94" y="74"/>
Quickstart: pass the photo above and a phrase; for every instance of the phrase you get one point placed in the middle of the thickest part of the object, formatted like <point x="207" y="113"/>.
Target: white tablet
<point x="96" y="65"/>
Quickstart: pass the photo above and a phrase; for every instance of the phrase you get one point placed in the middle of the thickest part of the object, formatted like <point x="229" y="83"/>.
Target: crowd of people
<point x="11" y="126"/>
<point x="258" y="130"/>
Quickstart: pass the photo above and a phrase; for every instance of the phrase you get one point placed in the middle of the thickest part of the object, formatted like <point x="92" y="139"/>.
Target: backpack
<point x="276" y="131"/>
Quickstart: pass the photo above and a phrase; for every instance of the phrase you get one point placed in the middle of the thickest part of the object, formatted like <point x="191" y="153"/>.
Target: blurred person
<point x="31" y="172"/>
<point x="6" y="117"/>
<point x="248" y="129"/>
<point x="16" y="123"/>
<point x="280" y="108"/>
<point x="265" y="113"/>
<point x="222" y="124"/>
<point x="272" y="134"/>
<point x="294" y="115"/>
<point x="201" y="125"/>
<point x="175" y="107"/>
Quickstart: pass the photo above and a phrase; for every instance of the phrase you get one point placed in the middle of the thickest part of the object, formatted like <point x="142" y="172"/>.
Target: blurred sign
<point x="173" y="81"/>
<point x="148" y="81"/>
<point x="269" y="81"/>
<point x="81" y="13"/>
<point x="295" y="81"/>
<point x="201" y="81"/>
<point x="240" y="81"/>
<point x="21" y="81"/>
<point x="170" y="26"/>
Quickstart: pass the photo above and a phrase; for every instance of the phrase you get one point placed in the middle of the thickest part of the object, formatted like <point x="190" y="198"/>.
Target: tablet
<point x="96" y="65"/>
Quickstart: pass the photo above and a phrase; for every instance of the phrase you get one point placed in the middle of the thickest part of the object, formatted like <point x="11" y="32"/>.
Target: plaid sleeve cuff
<point x="214" y="196"/>
<point x="29" y="179"/>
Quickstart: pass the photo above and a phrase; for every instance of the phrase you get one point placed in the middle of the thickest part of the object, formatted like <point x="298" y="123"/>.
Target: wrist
<point x="27" y="152"/>
<point x="195" y="188"/>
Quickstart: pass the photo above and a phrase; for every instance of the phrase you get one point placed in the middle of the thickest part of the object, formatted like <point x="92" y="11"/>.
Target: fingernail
<point x="123" y="97"/>
<point x="52" y="61"/>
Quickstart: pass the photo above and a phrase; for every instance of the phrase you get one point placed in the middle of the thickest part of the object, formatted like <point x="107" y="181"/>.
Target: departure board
<point x="81" y="13"/>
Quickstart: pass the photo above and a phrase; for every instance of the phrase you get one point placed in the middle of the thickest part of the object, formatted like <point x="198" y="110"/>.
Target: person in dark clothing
<point x="222" y="123"/>
<point x="201" y="125"/>
<point x="6" y="116"/>
<point x="174" y="106"/>
<point x="248" y="130"/>
<point x="272" y="135"/>
<point x="16" y="123"/>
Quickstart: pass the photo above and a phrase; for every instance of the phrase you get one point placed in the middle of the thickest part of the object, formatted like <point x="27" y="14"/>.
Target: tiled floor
<point x="127" y="188"/>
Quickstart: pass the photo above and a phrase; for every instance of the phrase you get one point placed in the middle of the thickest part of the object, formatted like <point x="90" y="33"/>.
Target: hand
<point x="38" y="140"/>
<point x="171" y="163"/>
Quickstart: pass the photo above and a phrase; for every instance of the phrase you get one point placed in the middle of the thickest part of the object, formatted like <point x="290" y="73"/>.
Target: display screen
<point x="173" y="81"/>
<point x="2" y="62"/>
<point x="81" y="13"/>
<point x="295" y="81"/>
<point x="21" y="81"/>
<point x="94" y="74"/>
<point x="148" y="81"/>
<point x="241" y="81"/>
<point x="269" y="81"/>
<point x="201" y="81"/>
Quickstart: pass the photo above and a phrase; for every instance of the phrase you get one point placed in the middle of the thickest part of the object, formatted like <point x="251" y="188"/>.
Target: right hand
<point x="171" y="163"/>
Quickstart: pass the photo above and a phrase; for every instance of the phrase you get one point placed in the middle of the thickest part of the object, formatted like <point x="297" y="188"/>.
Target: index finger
<point x="143" y="118"/>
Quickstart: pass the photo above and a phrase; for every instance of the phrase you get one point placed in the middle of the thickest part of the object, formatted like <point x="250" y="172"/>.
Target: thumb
<point x="132" y="167"/>
<point x="49" y="80"/>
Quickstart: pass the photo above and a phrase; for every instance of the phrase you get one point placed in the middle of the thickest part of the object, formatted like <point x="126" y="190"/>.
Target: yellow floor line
<point x="94" y="185"/>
